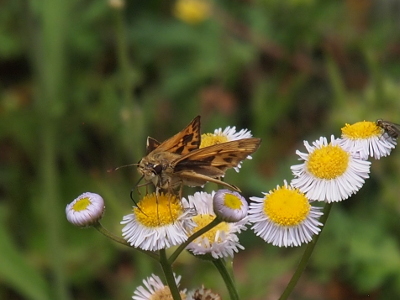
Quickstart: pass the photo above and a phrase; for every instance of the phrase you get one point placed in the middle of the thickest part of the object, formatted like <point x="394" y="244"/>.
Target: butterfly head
<point x="149" y="170"/>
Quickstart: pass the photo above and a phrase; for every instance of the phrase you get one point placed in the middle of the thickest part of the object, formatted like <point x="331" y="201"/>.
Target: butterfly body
<point x="152" y="167"/>
<point x="178" y="161"/>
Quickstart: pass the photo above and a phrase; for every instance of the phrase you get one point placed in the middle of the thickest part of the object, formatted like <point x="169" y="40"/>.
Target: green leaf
<point x="15" y="269"/>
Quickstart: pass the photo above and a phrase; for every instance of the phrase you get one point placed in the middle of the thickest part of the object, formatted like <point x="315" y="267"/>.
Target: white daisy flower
<point x="159" y="221"/>
<point x="85" y="210"/>
<point x="202" y="294"/>
<point x="284" y="217"/>
<point x="329" y="172"/>
<point x="222" y="136"/>
<point x="154" y="289"/>
<point x="222" y="240"/>
<point x="229" y="205"/>
<point x="367" y="139"/>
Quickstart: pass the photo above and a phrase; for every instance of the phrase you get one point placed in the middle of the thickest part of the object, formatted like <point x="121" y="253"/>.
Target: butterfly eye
<point x="157" y="169"/>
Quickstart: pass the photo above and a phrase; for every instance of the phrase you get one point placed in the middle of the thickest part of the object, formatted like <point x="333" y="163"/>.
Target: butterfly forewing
<point x="183" y="142"/>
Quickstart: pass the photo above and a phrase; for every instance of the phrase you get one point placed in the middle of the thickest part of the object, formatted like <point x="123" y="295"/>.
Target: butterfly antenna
<point x="120" y="167"/>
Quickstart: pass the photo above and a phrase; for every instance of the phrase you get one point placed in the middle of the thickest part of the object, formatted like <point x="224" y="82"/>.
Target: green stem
<point x="306" y="256"/>
<point x="120" y="240"/>
<point x="53" y="229"/>
<point x="230" y="285"/>
<point x="131" y="114"/>
<point x="169" y="275"/>
<point x="123" y="57"/>
<point x="194" y="236"/>
<point x="48" y="44"/>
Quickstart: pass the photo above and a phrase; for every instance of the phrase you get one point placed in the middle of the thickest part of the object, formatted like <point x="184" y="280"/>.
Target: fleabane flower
<point x="159" y="221"/>
<point x="229" y="205"/>
<point x="202" y="294"/>
<point x="284" y="217"/>
<point x="222" y="136"/>
<point x="329" y="172"/>
<point x="367" y="139"/>
<point x="154" y="289"/>
<point x="220" y="241"/>
<point x="192" y="11"/>
<point x="85" y="210"/>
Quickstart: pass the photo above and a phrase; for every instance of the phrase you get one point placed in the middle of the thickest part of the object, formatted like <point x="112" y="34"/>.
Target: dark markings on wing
<point x="185" y="141"/>
<point x="228" y="159"/>
<point x="187" y="138"/>
<point x="179" y="150"/>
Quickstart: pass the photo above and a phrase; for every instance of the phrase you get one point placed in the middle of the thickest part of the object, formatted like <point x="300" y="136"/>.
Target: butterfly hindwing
<point x="152" y="144"/>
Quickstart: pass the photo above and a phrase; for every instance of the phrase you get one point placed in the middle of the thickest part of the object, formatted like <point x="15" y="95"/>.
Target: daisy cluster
<point x="208" y="224"/>
<point x="331" y="171"/>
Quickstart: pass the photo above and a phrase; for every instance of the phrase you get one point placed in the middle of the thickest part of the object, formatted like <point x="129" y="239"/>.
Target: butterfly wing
<point x="181" y="143"/>
<point x="214" y="160"/>
<point x="151" y="144"/>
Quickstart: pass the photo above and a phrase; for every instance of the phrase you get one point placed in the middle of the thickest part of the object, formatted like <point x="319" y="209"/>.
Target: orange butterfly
<point x="178" y="161"/>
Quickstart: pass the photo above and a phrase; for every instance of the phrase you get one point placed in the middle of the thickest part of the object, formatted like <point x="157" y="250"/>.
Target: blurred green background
<point x="83" y="83"/>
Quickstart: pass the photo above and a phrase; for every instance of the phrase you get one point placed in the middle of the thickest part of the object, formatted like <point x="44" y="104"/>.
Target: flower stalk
<point x="169" y="275"/>
<point x="220" y="264"/>
<point x="306" y="256"/>
<point x="194" y="236"/>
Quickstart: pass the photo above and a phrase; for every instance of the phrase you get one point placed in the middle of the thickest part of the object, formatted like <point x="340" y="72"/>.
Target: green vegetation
<point x="83" y="84"/>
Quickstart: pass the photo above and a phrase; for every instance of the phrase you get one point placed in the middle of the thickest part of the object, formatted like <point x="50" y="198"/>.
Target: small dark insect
<point x="392" y="129"/>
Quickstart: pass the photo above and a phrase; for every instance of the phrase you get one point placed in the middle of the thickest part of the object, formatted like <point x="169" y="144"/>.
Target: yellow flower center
<point x="361" y="130"/>
<point x="286" y="207"/>
<point x="202" y="221"/>
<point x="192" y="11"/>
<point x="232" y="201"/>
<point x="82" y="204"/>
<point x="156" y="210"/>
<point x="328" y="162"/>
<point x="209" y="139"/>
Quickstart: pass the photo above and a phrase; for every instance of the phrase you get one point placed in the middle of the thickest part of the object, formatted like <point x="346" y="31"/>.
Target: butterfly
<point x="179" y="161"/>
<point x="392" y="129"/>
